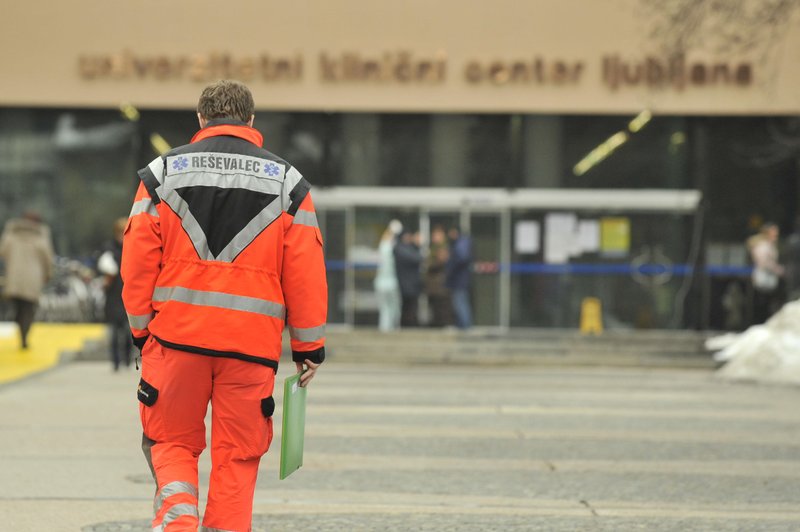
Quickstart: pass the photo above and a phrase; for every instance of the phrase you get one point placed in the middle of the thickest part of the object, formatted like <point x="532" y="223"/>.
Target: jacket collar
<point x="233" y="128"/>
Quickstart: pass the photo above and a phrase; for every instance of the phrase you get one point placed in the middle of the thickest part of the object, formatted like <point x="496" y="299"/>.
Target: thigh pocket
<point x="267" y="407"/>
<point x="147" y="393"/>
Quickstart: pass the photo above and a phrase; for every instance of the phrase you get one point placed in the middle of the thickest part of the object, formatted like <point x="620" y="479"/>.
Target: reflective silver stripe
<point x="292" y="178"/>
<point x="140" y="321"/>
<point x="246" y="236"/>
<point x="310" y="334"/>
<point x="246" y="181"/>
<point x="269" y="214"/>
<point x="157" y="167"/>
<point x="225" y="163"/>
<point x="179" y="510"/>
<point x="220" y="300"/>
<point x="306" y="218"/>
<point x="189" y="223"/>
<point x="143" y="205"/>
<point x="206" y="529"/>
<point x="171" y="489"/>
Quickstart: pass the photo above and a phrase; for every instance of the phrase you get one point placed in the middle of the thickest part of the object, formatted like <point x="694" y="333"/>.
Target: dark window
<point x="404" y="150"/>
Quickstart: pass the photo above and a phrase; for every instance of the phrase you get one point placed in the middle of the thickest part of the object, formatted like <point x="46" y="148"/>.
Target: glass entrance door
<point x="333" y="225"/>
<point x="486" y="231"/>
<point x="351" y="236"/>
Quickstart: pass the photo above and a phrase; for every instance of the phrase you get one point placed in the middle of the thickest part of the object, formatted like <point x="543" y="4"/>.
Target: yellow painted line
<point x="312" y="501"/>
<point x="292" y="506"/>
<point x="322" y="430"/>
<point x="726" y="468"/>
<point x="723" y="513"/>
<point x="553" y="411"/>
<point x="712" y="399"/>
<point x="47" y="341"/>
<point x="435" y="502"/>
<point x="337" y="497"/>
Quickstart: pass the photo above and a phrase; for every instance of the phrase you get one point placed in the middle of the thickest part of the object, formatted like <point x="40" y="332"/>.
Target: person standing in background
<point x="27" y="249"/>
<point x="767" y="272"/>
<point x="408" y="261"/>
<point x="387" y="290"/>
<point x="792" y="263"/>
<point x="459" y="265"/>
<point x="116" y="318"/>
<point x="435" y="266"/>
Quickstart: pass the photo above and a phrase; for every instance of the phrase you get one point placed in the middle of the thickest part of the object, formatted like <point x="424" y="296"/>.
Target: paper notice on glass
<point x="527" y="237"/>
<point x="615" y="236"/>
<point x="559" y="237"/>
<point x="589" y="236"/>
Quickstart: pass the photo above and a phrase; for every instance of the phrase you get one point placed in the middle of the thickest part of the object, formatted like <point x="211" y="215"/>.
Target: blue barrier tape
<point x="538" y="268"/>
<point x="599" y="269"/>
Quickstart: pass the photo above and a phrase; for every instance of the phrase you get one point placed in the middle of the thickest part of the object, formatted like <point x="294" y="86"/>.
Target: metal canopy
<point x="628" y="200"/>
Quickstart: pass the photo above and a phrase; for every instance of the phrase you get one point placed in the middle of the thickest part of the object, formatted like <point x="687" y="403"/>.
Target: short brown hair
<point x="226" y="99"/>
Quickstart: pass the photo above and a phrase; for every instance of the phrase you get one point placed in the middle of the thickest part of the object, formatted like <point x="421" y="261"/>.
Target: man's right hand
<point x="310" y="371"/>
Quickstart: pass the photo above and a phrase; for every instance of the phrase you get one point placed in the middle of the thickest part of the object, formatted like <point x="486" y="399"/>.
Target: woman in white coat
<point x="387" y="289"/>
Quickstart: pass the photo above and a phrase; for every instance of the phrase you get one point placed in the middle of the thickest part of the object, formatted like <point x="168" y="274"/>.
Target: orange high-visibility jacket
<point x="222" y="248"/>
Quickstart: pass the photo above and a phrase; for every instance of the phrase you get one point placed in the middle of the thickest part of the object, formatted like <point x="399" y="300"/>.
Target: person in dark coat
<point x="408" y="261"/>
<point x="459" y="266"/>
<point x="435" y="273"/>
<point x="115" y="315"/>
<point x="792" y="263"/>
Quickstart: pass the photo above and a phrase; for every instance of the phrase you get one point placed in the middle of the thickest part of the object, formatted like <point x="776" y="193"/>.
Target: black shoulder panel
<point x="150" y="183"/>
<point x="297" y="195"/>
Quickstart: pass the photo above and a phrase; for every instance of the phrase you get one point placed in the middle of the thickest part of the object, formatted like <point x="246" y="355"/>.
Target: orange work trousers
<point x="174" y="393"/>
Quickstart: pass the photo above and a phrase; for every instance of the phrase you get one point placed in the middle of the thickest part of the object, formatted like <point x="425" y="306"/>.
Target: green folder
<point x="294" y="425"/>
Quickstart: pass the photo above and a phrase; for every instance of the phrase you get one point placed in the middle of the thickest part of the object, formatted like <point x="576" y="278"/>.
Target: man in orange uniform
<point x="221" y="249"/>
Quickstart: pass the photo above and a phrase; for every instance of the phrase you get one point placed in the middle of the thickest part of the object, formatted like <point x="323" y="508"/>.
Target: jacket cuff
<point x="139" y="342"/>
<point x="316" y="356"/>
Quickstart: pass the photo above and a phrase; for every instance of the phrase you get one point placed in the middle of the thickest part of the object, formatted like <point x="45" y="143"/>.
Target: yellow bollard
<point x="591" y="316"/>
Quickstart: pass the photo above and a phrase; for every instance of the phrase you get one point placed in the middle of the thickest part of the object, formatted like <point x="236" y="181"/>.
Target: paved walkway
<point x="436" y="448"/>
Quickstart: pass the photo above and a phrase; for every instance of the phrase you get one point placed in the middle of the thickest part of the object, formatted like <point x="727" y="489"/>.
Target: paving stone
<point x="435" y="448"/>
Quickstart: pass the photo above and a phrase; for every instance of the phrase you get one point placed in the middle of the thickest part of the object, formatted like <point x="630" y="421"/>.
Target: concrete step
<point x="532" y="347"/>
<point x="521" y="347"/>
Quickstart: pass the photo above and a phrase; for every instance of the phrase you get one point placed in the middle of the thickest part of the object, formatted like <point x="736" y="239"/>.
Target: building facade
<point x="525" y="123"/>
